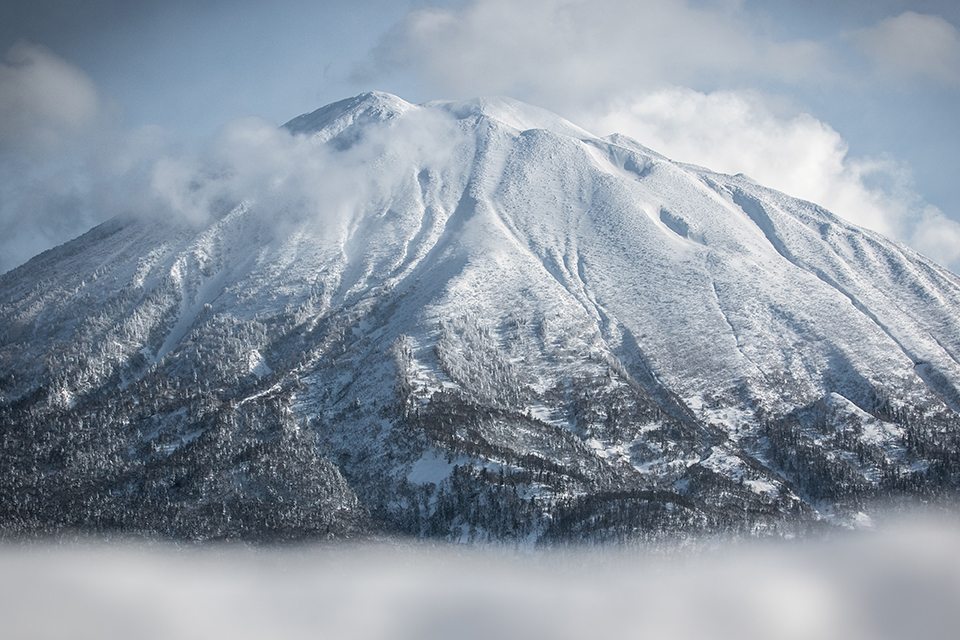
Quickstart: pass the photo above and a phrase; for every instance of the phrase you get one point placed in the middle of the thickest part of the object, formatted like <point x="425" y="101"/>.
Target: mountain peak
<point x="371" y="106"/>
<point x="379" y="106"/>
<point x="511" y="112"/>
<point x="478" y="332"/>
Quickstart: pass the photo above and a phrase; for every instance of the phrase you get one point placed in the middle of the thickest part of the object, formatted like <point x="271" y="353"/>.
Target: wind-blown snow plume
<point x="64" y="165"/>
<point x="286" y="175"/>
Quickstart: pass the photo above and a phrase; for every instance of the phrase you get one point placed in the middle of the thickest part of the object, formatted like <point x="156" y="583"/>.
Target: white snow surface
<point x="566" y="249"/>
<point x="718" y="282"/>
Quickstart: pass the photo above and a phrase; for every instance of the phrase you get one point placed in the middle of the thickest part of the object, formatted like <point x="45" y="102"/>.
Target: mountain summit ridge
<point x="500" y="326"/>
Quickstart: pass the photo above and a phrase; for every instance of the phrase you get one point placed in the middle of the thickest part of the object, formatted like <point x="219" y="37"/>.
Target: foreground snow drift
<point x="897" y="584"/>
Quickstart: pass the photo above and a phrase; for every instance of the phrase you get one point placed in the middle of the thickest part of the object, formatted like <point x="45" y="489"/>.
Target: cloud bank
<point x="292" y="178"/>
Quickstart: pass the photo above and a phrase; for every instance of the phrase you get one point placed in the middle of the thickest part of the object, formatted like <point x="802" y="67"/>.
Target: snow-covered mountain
<point x="501" y="326"/>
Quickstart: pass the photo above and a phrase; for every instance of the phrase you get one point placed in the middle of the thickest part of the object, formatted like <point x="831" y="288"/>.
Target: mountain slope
<point x="503" y="327"/>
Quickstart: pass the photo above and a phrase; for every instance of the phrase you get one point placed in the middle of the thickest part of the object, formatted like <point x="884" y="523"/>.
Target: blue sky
<point x="852" y="104"/>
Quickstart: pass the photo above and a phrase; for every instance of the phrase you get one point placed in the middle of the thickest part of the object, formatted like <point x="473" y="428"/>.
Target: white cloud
<point x="745" y="132"/>
<point x="42" y="99"/>
<point x="290" y="178"/>
<point x="739" y="132"/>
<point x="913" y="45"/>
<point x="560" y="52"/>
<point x="45" y="104"/>
<point x="63" y="166"/>
<point x="937" y="236"/>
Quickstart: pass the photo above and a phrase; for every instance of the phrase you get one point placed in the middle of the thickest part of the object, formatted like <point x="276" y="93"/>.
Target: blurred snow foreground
<point x="903" y="582"/>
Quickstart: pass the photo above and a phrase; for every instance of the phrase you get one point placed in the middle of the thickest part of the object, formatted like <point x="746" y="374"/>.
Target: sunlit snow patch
<point x="257" y="365"/>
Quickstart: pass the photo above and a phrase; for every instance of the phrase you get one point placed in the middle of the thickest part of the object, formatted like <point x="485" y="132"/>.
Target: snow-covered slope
<point x="511" y="328"/>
